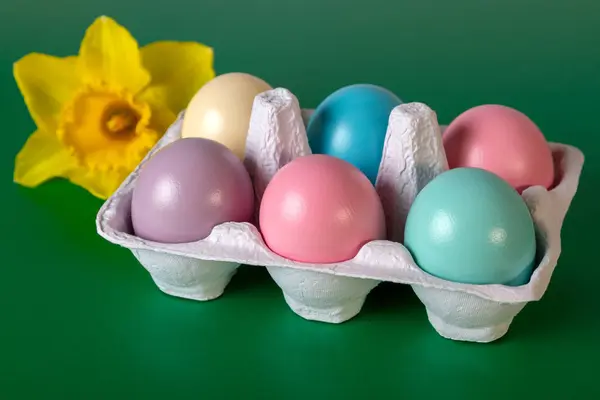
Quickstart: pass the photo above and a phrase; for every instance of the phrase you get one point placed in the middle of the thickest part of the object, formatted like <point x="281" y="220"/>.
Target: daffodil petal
<point x="101" y="184"/>
<point x="42" y="158"/>
<point x="162" y="115"/>
<point x="179" y="69"/>
<point x="46" y="83"/>
<point x="110" y="56"/>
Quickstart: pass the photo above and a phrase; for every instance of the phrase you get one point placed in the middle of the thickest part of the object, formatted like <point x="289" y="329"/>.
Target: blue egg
<point x="351" y="124"/>
<point x="470" y="226"/>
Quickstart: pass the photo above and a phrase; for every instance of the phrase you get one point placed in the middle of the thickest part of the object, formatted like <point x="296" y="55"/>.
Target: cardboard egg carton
<point x="413" y="155"/>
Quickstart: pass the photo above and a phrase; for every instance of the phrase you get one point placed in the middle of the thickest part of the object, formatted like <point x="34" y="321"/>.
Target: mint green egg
<point x="468" y="225"/>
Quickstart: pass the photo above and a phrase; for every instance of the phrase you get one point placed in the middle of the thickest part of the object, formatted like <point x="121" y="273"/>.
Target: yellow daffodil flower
<point x="98" y="113"/>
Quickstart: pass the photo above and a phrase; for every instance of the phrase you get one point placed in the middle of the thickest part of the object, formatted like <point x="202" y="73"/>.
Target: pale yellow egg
<point x="221" y="110"/>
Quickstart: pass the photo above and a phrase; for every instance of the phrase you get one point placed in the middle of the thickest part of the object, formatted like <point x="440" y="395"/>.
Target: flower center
<point x="120" y="122"/>
<point x="107" y="129"/>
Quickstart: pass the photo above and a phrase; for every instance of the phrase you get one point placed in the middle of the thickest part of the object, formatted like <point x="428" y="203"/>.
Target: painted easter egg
<point x="351" y="124"/>
<point x="221" y="110"/>
<point x="502" y="140"/>
<point x="320" y="209"/>
<point x="468" y="225"/>
<point x="187" y="188"/>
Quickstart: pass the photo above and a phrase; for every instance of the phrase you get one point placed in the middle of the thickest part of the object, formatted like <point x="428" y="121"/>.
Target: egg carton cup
<point x="413" y="155"/>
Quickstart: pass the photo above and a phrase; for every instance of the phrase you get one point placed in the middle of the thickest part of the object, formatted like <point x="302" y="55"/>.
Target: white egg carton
<point x="413" y="155"/>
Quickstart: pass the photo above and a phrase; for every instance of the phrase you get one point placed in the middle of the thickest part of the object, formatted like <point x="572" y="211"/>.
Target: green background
<point x="80" y="318"/>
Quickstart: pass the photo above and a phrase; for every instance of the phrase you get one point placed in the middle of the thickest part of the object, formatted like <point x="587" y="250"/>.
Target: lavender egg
<point x="187" y="188"/>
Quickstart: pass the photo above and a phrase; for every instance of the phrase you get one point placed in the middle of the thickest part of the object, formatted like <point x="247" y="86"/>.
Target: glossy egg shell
<point x="320" y="209"/>
<point x="469" y="226"/>
<point x="187" y="188"/>
<point x="351" y="124"/>
<point x="502" y="140"/>
<point x="221" y="110"/>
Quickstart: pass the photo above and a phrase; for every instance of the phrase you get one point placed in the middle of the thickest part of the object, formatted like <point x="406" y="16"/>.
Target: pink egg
<point x="320" y="209"/>
<point x="501" y="140"/>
